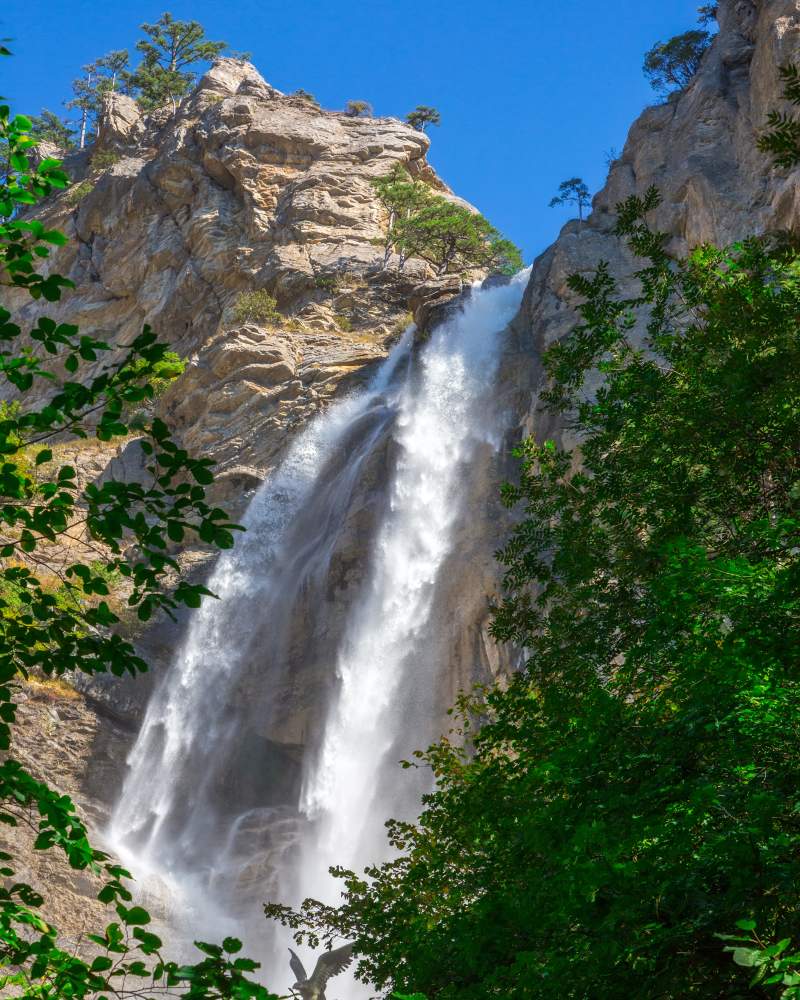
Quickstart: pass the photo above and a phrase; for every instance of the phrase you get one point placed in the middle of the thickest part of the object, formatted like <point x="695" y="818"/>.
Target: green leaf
<point x="136" y="915"/>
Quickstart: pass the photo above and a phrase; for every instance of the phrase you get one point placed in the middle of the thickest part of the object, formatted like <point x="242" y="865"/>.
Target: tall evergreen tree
<point x="169" y="51"/>
<point x="402" y="197"/>
<point x="105" y="75"/>
<point x="113" y="69"/>
<point x="49" y="127"/>
<point x="448" y="236"/>
<point x="422" y="116"/>
<point x="85" y="100"/>
<point x="573" y="192"/>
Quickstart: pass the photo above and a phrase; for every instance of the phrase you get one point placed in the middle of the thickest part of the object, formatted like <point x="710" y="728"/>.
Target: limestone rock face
<point x="699" y="150"/>
<point x="243" y="190"/>
<point x="61" y="734"/>
<point x="248" y="388"/>
<point x="121" y="122"/>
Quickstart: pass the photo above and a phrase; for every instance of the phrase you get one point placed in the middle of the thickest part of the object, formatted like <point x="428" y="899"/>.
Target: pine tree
<point x="708" y="13"/>
<point x="49" y="127"/>
<point x="104" y="76"/>
<point x="170" y="49"/>
<point x="671" y="66"/>
<point x="422" y="116"/>
<point x="573" y="192"/>
<point x="402" y="197"/>
<point x="85" y="100"/>
<point x="451" y="238"/>
<point x="114" y="71"/>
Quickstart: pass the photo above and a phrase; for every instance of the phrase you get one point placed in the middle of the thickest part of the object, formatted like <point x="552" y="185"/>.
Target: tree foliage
<point x="573" y="192"/>
<point x="68" y="385"/>
<point x="358" y="109"/>
<point x="447" y="235"/>
<point x="633" y="793"/>
<point x="708" y="13"/>
<point x="169" y="52"/>
<point x="452" y="238"/>
<point x="304" y="95"/>
<point x="671" y="66"/>
<point x="422" y="116"/>
<point x="104" y="76"/>
<point x="782" y="140"/>
<point x="402" y="197"/>
<point x="113" y="72"/>
<point x="85" y="100"/>
<point x="48" y="127"/>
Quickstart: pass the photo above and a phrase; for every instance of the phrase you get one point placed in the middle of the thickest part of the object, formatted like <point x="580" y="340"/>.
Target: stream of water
<point x="213" y="810"/>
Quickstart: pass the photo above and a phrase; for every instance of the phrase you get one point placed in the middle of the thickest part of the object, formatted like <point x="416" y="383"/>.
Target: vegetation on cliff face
<point x="55" y="620"/>
<point x="450" y="237"/>
<point x="422" y="116"/>
<point x="782" y="138"/>
<point x="169" y="51"/>
<point x="573" y="191"/>
<point x="671" y="66"/>
<point x="630" y="802"/>
<point x="631" y="798"/>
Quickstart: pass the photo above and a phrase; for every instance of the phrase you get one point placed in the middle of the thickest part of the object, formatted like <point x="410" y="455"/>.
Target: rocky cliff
<point x="248" y="189"/>
<point x="172" y="220"/>
<point x="699" y="150"/>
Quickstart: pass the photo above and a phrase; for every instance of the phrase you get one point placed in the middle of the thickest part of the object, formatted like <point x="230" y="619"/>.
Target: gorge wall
<point x="699" y="149"/>
<point x="248" y="188"/>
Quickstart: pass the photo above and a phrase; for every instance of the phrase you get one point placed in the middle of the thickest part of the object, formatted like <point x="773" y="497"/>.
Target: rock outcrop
<point x="173" y="219"/>
<point x="699" y="150"/>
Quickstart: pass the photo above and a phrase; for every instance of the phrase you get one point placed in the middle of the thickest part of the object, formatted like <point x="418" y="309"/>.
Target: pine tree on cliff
<point x="573" y="192"/>
<point x="422" y="116"/>
<point x="114" y="71"/>
<point x="402" y="197"/>
<point x="104" y="76"/>
<point x="671" y="66"/>
<point x="48" y="127"/>
<point x="84" y="99"/>
<point x="164" y="75"/>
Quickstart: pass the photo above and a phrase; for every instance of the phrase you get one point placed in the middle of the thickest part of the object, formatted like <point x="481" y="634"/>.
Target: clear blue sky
<point x="530" y="91"/>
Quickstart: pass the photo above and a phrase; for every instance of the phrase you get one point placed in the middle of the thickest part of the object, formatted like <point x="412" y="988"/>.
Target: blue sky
<point x="530" y="92"/>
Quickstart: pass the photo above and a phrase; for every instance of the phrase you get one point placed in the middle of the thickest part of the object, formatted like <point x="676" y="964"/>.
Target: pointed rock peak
<point x="231" y="76"/>
<point x="120" y="121"/>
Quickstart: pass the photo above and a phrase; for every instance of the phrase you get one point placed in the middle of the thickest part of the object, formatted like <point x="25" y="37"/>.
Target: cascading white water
<point x="436" y="404"/>
<point x="185" y="723"/>
<point x="443" y="413"/>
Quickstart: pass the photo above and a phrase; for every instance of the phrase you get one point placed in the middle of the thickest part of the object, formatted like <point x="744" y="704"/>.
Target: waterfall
<point x="206" y="790"/>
